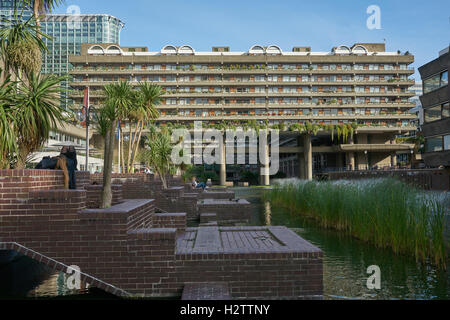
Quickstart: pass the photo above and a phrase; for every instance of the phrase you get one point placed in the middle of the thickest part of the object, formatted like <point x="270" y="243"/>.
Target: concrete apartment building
<point x="435" y="102"/>
<point x="361" y="84"/>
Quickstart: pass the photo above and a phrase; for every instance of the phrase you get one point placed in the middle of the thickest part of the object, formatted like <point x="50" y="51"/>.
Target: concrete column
<point x="223" y="164"/>
<point x="301" y="166"/>
<point x="394" y="160"/>
<point x="362" y="160"/>
<point x="301" y="160"/>
<point x="265" y="176"/>
<point x="351" y="160"/>
<point x="308" y="157"/>
<point x="351" y="156"/>
<point x="339" y="162"/>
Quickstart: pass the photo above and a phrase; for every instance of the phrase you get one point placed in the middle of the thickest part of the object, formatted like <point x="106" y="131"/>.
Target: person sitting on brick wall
<point x="56" y="163"/>
<point x="71" y="154"/>
<point x="198" y="185"/>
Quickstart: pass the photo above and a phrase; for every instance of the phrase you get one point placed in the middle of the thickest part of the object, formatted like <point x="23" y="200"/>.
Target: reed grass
<point x="384" y="212"/>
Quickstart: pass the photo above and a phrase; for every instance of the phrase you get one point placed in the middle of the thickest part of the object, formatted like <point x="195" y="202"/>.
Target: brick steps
<point x="206" y="291"/>
<point x="129" y="250"/>
<point x="209" y="224"/>
<point x="208" y="217"/>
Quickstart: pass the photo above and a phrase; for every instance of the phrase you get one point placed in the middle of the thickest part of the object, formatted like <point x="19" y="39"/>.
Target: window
<point x="447" y="142"/>
<point x="446" y="110"/>
<point x="433" y="144"/>
<point x="444" y="78"/>
<point x="431" y="84"/>
<point x="435" y="82"/>
<point x="433" y="114"/>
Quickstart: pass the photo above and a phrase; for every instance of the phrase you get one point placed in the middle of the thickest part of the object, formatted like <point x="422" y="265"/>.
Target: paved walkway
<point x="268" y="240"/>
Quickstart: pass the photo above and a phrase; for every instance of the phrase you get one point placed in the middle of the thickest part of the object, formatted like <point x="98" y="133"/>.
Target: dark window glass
<point x="446" y="110"/>
<point x="444" y="78"/>
<point x="433" y="144"/>
<point x="447" y="142"/>
<point x="433" y="114"/>
<point x="431" y="84"/>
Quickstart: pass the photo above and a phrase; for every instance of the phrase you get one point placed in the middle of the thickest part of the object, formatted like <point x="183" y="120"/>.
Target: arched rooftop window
<point x="96" y="50"/>
<point x="186" y="50"/>
<point x="274" y="50"/>
<point x="113" y="50"/>
<point x="257" y="50"/>
<point x="360" y="50"/>
<point x="169" y="49"/>
<point x="342" y="50"/>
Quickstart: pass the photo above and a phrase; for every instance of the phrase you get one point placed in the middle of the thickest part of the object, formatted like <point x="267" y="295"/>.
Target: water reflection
<point x="346" y="260"/>
<point x="22" y="277"/>
<point x="268" y="213"/>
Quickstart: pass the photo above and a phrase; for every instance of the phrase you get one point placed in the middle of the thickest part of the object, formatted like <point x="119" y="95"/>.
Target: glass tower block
<point x="67" y="32"/>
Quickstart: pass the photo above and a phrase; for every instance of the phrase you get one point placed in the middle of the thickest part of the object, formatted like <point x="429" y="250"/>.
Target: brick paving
<point x="241" y="240"/>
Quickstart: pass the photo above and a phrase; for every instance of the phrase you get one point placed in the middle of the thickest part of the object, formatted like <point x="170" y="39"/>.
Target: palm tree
<point x="38" y="110"/>
<point x="158" y="152"/>
<point x="41" y="7"/>
<point x="8" y="141"/>
<point x="21" y="45"/>
<point x="119" y="98"/>
<point x="148" y="97"/>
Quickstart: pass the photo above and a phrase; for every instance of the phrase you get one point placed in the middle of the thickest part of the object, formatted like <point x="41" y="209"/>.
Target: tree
<point x="119" y="98"/>
<point x="8" y="143"/>
<point x="158" y="152"/>
<point x="30" y="103"/>
<point x="148" y="97"/>
<point x="29" y="109"/>
<point x="41" y="7"/>
<point x="37" y="111"/>
<point x="137" y="115"/>
<point x="21" y="45"/>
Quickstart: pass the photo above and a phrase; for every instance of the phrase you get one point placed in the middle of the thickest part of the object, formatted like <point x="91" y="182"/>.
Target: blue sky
<point x="419" y="26"/>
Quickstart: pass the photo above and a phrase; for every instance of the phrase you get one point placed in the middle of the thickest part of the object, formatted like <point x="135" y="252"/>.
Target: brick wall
<point x="175" y="199"/>
<point x="57" y="225"/>
<point x="219" y="194"/>
<point x="170" y="220"/>
<point x="151" y="253"/>
<point x="136" y="186"/>
<point x="129" y="247"/>
<point x="82" y="179"/>
<point x="94" y="194"/>
<point x="15" y="186"/>
<point x="225" y="210"/>
<point x="255" y="276"/>
<point x="286" y="266"/>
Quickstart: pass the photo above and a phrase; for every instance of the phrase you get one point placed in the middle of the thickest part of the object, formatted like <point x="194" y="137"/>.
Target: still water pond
<point x="345" y="264"/>
<point x="346" y="260"/>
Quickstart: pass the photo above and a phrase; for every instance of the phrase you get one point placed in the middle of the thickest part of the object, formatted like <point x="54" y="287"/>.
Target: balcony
<point x="277" y="116"/>
<point x="375" y="147"/>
